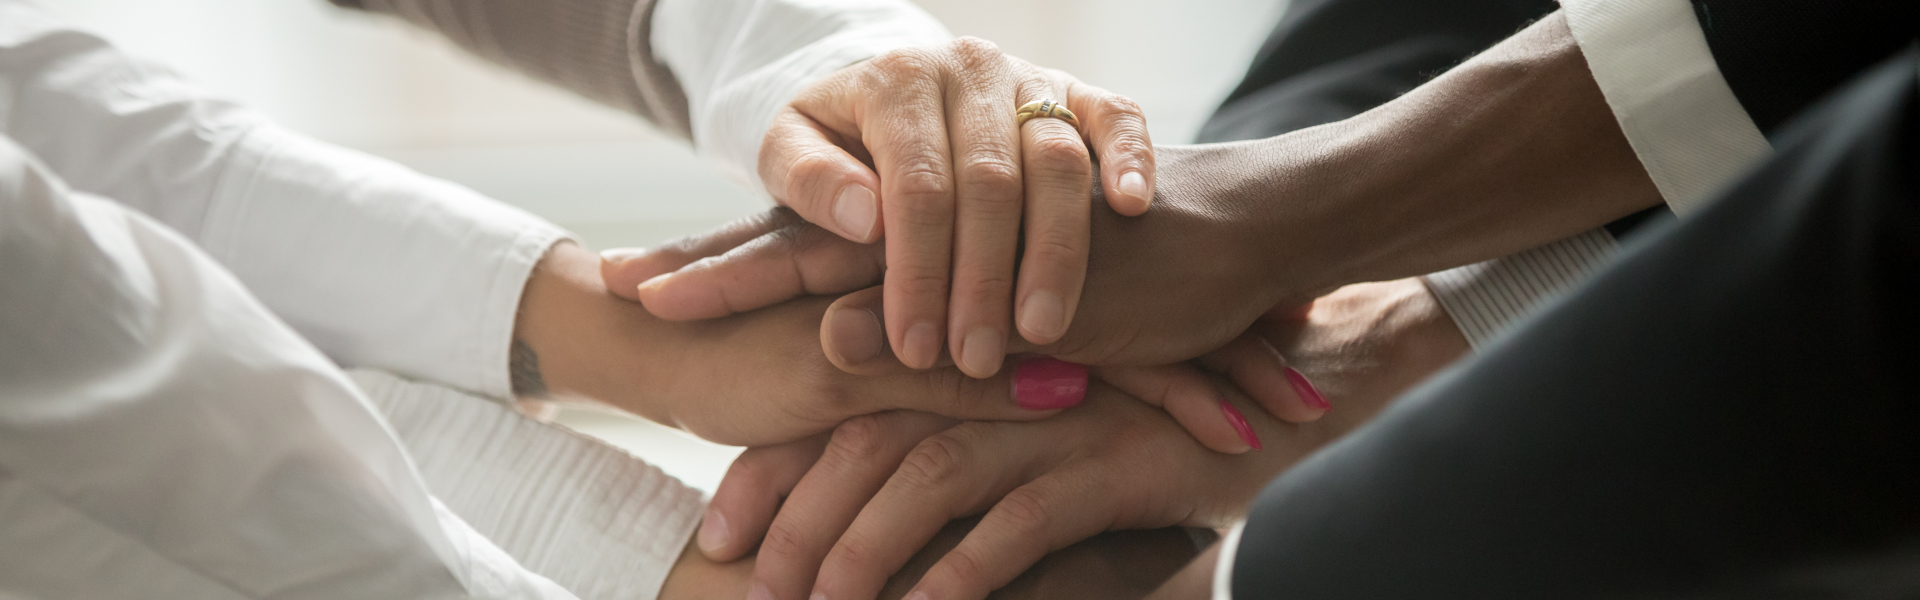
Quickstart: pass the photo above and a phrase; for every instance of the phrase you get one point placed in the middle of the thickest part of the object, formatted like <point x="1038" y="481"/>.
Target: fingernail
<point x="1132" y="183"/>
<point x="1044" y="383"/>
<point x="713" y="532"/>
<point x="655" y="282"/>
<point x="922" y="345"/>
<point x="982" y="351"/>
<point x="817" y="596"/>
<point x="856" y="334"/>
<point x="1239" y="423"/>
<point x="917" y="595"/>
<point x="759" y="592"/>
<point x="1306" y="390"/>
<point x="855" y="211"/>
<point x="621" y="255"/>
<point x="1043" y="316"/>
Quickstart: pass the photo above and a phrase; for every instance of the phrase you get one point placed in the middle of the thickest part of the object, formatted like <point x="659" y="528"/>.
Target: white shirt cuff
<point x="1652" y="63"/>
<point x="740" y="62"/>
<point x="1223" y="570"/>
<point x="1487" y="298"/>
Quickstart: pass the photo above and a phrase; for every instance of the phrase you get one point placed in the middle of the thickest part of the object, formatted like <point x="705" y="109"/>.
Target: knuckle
<point x="991" y="178"/>
<point x="1061" y="153"/>
<point x="919" y="282"/>
<point x="936" y="462"/>
<point x="858" y="440"/>
<point x="903" y="63"/>
<point x="924" y="183"/>
<point x="1113" y="105"/>
<point x="963" y="565"/>
<point x="784" y="539"/>
<point x="1026" y="511"/>
<point x="1051" y="246"/>
<point x="974" y="53"/>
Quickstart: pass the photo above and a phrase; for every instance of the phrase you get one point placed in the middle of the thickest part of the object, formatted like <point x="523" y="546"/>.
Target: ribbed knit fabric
<point x="1487" y="298"/>
<point x="596" y="520"/>
<point x="596" y="48"/>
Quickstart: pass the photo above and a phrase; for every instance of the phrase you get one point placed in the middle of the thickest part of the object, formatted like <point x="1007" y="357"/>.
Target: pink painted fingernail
<point x="1049" y="383"/>
<point x="1239" y="423"/>
<point x="1306" y="390"/>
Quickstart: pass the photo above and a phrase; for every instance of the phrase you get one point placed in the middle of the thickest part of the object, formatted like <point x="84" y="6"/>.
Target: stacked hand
<point x="839" y="514"/>
<point x="920" y="147"/>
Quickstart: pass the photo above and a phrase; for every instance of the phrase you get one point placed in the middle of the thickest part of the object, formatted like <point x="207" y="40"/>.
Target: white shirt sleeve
<point x="1652" y="63"/>
<point x="741" y="61"/>
<point x="164" y="435"/>
<point x="1659" y="77"/>
<point x="375" y="264"/>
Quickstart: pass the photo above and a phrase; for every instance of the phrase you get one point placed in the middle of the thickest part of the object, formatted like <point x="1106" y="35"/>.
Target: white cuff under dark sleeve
<point x="1485" y="298"/>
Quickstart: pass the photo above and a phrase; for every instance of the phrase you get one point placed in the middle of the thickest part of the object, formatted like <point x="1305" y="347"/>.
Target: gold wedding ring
<point x="1046" y="108"/>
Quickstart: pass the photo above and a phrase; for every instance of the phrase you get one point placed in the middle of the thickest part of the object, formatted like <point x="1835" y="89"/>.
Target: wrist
<point x="574" y="339"/>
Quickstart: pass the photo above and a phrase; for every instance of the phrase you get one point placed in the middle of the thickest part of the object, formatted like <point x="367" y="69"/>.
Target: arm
<point x="160" y="429"/>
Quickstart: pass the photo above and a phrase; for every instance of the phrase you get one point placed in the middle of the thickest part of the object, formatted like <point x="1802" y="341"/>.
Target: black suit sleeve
<point x="1780" y="56"/>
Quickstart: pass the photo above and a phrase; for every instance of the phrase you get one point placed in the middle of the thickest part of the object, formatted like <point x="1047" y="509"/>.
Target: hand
<point x="1511" y="150"/>
<point x="955" y="185"/>
<point x="753" y="378"/>
<point x="857" y="503"/>
<point x="1124" y="564"/>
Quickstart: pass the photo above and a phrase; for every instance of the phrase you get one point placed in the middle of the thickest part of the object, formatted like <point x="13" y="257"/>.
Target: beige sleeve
<point x="596" y="48"/>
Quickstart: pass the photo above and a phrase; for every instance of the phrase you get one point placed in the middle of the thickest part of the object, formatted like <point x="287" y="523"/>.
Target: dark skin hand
<point x="1513" y="149"/>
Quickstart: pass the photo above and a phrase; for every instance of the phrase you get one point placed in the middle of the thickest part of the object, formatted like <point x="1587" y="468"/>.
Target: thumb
<point x="806" y="169"/>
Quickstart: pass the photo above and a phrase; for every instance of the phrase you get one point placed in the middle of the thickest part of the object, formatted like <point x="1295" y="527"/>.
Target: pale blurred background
<point x="373" y="84"/>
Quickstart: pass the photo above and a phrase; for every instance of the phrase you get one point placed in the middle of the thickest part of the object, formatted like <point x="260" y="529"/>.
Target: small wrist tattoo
<point x="523" y="370"/>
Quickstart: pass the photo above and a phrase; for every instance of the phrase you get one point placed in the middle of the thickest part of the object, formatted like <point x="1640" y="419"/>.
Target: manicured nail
<point x="921" y="346"/>
<point x="655" y="283"/>
<point x="855" y="210"/>
<point x="1239" y="423"/>
<point x="1043" y="316"/>
<point x="760" y="592"/>
<point x="621" y="255"/>
<point x="1044" y="383"/>
<point x="856" y="335"/>
<point x="982" y="351"/>
<point x="713" y="532"/>
<point x="1132" y="183"/>
<point x="1306" y="390"/>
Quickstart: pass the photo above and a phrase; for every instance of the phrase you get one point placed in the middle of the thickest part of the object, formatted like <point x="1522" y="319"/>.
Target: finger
<point x="986" y="147"/>
<point x="805" y="167"/>
<point x="1051" y="513"/>
<point x="852" y="339"/>
<point x="955" y="473"/>
<point x="745" y="502"/>
<point x="1192" y="399"/>
<point x="862" y="453"/>
<point x="1053" y="267"/>
<point x="905" y="128"/>
<point x="625" y="269"/>
<point x="1262" y="373"/>
<point x="785" y="263"/>
<point x="1117" y="128"/>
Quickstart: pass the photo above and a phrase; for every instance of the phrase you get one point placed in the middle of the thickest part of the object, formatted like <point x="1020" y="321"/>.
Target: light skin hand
<point x="1111" y="463"/>
<point x="1124" y="564"/>
<point x="920" y="146"/>
<point x="1513" y="149"/>
<point x="749" y="379"/>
